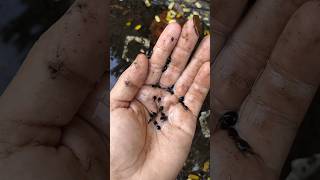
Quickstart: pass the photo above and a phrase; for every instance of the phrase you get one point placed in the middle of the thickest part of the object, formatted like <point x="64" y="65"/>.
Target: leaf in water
<point x="138" y="27"/>
<point x="157" y="18"/>
<point x="193" y="177"/>
<point x="147" y="3"/>
<point x="128" y="23"/>
<point x="206" y="166"/>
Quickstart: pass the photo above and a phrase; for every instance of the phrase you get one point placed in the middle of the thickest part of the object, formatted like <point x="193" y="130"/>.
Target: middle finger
<point x="181" y="53"/>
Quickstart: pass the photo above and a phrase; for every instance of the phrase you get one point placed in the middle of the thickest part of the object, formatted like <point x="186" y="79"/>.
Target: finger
<point x="85" y="142"/>
<point x="129" y="83"/>
<point x="201" y="56"/>
<point x="180" y="54"/>
<point x="282" y="94"/>
<point x="273" y="111"/>
<point x="246" y="53"/>
<point x="225" y="15"/>
<point x="60" y="70"/>
<point x="198" y="90"/>
<point x="161" y="51"/>
<point x="95" y="108"/>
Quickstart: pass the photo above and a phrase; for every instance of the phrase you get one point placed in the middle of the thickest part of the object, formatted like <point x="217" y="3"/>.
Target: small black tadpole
<point x="154" y="98"/>
<point x="158" y="127"/>
<point x="185" y="107"/>
<point x="154" y="114"/>
<point x="155" y="86"/>
<point x="228" y="120"/>
<point x="159" y="99"/>
<point x="163" y="118"/>
<point x="181" y="99"/>
<point x="161" y="108"/>
<point x="165" y="67"/>
<point x="170" y="89"/>
<point x="168" y="61"/>
<point x="243" y="145"/>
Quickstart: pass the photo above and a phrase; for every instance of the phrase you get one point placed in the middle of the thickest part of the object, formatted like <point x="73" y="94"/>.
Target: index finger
<point x="161" y="51"/>
<point x="225" y="15"/>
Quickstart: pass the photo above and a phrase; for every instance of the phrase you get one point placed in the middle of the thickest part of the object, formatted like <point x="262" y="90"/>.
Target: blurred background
<point x="135" y="25"/>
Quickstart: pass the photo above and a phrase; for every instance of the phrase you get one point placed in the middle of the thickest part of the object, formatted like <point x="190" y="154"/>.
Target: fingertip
<point x="141" y="56"/>
<point x="140" y="67"/>
<point x="174" y="26"/>
<point x="142" y="60"/>
<point x="172" y="30"/>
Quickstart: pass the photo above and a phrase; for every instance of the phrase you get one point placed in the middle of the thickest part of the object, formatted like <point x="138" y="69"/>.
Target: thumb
<point x="129" y="83"/>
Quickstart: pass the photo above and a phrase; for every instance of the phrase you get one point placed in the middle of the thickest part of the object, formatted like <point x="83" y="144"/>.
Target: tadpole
<point x="228" y="120"/>
<point x="170" y="89"/>
<point x="156" y="85"/>
<point x="243" y="146"/>
<point x="181" y="101"/>
<point x="165" y="67"/>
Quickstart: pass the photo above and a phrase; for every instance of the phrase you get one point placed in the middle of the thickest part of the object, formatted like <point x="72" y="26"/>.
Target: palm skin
<point x="143" y="146"/>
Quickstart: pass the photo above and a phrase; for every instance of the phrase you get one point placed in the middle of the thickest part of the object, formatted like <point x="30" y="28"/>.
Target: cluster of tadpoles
<point x="157" y="100"/>
<point x="227" y="122"/>
<point x="160" y="111"/>
<point x="153" y="115"/>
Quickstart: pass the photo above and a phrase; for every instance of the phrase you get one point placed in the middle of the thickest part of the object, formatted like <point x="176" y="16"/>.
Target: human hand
<point x="53" y="115"/>
<point x="152" y="124"/>
<point x="268" y="71"/>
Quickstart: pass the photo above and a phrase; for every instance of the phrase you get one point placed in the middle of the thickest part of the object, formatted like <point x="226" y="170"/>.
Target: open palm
<point x="154" y="106"/>
<point x="268" y="71"/>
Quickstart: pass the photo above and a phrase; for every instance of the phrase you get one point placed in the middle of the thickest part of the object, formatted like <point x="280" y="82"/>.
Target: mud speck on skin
<point x="185" y="36"/>
<point x="81" y="5"/>
<point x="55" y="67"/>
<point x="127" y="83"/>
